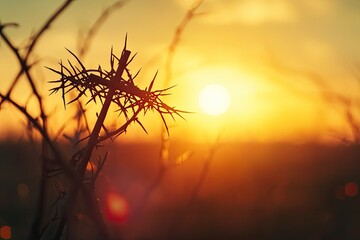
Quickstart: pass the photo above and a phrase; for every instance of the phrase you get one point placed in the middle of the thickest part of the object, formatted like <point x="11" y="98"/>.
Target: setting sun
<point x="180" y="119"/>
<point x="214" y="99"/>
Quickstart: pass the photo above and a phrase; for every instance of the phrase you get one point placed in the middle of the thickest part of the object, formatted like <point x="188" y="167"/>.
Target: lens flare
<point x="5" y="232"/>
<point x="351" y="189"/>
<point x="117" y="207"/>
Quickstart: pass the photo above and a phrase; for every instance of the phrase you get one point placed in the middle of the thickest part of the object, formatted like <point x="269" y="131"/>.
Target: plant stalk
<point x="69" y="205"/>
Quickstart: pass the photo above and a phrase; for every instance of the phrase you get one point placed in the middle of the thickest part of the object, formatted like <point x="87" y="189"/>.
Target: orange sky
<point x="265" y="52"/>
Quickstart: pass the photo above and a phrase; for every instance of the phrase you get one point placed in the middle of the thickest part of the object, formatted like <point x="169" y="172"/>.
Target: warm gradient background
<point x="276" y="57"/>
<point x="292" y="68"/>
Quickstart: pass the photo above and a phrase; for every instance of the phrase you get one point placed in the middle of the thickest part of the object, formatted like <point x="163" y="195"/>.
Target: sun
<point x="214" y="99"/>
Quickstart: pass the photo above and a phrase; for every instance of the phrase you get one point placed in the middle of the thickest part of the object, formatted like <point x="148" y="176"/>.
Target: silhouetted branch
<point x="204" y="171"/>
<point x="165" y="140"/>
<point x="24" y="68"/>
<point x="57" y="156"/>
<point x="105" y="86"/>
<point x="191" y="13"/>
<point x="109" y="87"/>
<point x="198" y="185"/>
<point x="46" y="25"/>
<point x="330" y="96"/>
<point x="85" y="41"/>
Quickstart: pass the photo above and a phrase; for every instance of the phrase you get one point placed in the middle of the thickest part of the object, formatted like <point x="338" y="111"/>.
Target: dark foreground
<point x="250" y="191"/>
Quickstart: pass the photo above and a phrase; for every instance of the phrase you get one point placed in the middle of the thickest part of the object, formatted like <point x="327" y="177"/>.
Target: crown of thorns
<point x="96" y="83"/>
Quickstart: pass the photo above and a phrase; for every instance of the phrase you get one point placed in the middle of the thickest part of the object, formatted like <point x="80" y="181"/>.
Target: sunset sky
<point x="280" y="60"/>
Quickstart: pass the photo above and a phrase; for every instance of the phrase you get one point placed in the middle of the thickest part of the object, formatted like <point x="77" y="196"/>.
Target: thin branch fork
<point x="98" y="125"/>
<point x="109" y="87"/>
<point x="126" y="95"/>
<point x="90" y="147"/>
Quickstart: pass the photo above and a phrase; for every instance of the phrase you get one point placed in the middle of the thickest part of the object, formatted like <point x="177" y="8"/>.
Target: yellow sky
<point x="265" y="52"/>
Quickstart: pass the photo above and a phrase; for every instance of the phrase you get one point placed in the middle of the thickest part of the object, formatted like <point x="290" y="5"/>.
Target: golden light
<point x="214" y="99"/>
<point x="91" y="167"/>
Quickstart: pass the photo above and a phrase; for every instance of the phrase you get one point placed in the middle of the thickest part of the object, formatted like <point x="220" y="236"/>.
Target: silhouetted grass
<point x="108" y="87"/>
<point x="164" y="156"/>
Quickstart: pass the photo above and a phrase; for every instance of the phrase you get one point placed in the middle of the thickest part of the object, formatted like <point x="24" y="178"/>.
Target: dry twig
<point x="106" y="87"/>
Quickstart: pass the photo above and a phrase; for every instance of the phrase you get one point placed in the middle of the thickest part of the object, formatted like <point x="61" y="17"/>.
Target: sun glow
<point x="214" y="99"/>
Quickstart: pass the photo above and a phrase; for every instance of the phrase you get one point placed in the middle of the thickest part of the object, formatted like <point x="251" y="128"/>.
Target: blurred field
<point x="252" y="191"/>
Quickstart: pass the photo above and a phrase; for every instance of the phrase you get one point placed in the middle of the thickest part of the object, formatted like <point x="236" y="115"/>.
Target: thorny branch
<point x="97" y="83"/>
<point x="25" y="66"/>
<point x="107" y="87"/>
<point x="58" y="159"/>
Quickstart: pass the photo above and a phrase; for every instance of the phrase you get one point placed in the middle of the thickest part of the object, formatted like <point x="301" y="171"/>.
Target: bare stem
<point x="86" y="41"/>
<point x="165" y="140"/>
<point x="93" y="140"/>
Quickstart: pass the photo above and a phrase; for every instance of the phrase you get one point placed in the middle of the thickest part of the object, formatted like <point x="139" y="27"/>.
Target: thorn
<point x="153" y="80"/>
<point x="125" y="42"/>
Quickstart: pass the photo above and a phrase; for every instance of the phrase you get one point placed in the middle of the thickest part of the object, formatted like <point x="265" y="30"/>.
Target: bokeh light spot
<point x="351" y="189"/>
<point x="117" y="207"/>
<point x="5" y="232"/>
<point x="22" y="190"/>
